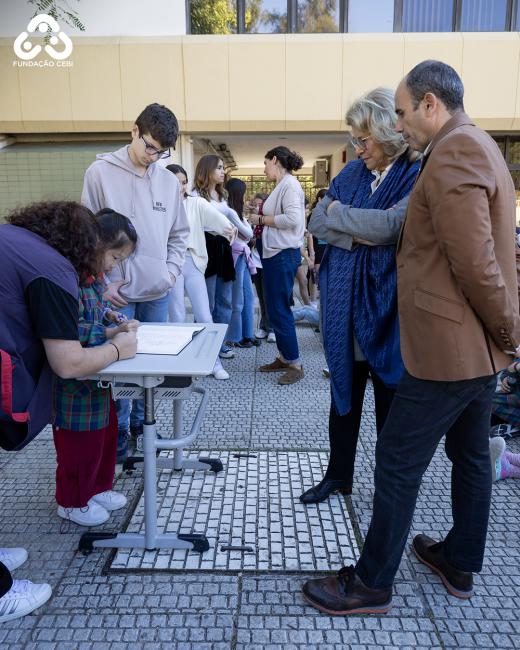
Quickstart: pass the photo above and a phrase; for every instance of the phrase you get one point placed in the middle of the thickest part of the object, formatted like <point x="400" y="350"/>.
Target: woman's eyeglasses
<point x="359" y="143"/>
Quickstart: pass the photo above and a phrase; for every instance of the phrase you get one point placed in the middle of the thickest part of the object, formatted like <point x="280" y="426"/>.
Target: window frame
<point x="512" y="19"/>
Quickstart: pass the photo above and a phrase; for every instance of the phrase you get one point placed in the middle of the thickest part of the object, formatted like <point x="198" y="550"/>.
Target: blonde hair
<point x="374" y="113"/>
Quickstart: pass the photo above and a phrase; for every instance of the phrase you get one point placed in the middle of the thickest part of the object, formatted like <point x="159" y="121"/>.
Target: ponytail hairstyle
<point x="289" y="160"/>
<point x="202" y="183"/>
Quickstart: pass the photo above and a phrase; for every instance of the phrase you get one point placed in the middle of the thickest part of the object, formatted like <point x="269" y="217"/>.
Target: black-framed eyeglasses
<point x="153" y="151"/>
<point x="360" y="143"/>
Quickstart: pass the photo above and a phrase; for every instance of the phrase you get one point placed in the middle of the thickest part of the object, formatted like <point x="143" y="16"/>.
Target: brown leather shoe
<point x="431" y="553"/>
<point x="346" y="594"/>
<point x="277" y="366"/>
<point x="291" y="376"/>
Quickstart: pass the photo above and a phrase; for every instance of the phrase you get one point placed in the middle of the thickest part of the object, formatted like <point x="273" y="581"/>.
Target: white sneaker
<point x="109" y="500"/>
<point x="271" y="338"/>
<point x="221" y="374"/>
<point x="260" y="333"/>
<point x="13" y="557"/>
<point x="91" y="515"/>
<point x="23" y="598"/>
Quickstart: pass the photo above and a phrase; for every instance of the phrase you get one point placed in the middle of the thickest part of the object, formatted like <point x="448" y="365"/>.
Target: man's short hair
<point x="160" y="123"/>
<point x="438" y="78"/>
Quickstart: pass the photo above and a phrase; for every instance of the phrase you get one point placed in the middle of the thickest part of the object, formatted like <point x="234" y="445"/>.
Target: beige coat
<point x="457" y="287"/>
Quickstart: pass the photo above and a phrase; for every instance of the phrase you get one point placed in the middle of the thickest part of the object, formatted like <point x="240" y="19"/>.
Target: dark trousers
<point x="344" y="429"/>
<point x="422" y="413"/>
<point x="6" y="581"/>
<point x="258" y="280"/>
<point x="279" y="274"/>
<point x="86" y="462"/>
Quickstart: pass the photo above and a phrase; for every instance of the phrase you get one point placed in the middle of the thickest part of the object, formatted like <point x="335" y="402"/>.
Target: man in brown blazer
<point x="458" y="308"/>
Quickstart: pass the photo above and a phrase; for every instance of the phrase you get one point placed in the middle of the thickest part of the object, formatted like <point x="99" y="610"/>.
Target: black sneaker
<point x="431" y="553"/>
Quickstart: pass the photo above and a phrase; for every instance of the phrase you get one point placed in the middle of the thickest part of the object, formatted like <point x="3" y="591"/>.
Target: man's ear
<point x="430" y="102"/>
<point x="135" y="131"/>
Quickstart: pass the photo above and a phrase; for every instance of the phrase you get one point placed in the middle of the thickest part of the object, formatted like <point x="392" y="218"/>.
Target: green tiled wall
<point x="34" y="172"/>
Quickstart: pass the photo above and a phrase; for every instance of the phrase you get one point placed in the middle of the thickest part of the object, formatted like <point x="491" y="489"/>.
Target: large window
<point x="265" y="16"/>
<point x="213" y="16"/>
<point x="315" y="16"/>
<point x="369" y="16"/>
<point x="428" y="15"/>
<point x="483" y="15"/>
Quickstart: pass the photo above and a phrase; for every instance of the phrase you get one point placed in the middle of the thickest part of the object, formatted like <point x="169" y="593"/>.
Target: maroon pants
<point x="86" y="462"/>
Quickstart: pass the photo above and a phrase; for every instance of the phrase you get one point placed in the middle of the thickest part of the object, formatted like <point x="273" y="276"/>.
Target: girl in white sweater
<point x="201" y="216"/>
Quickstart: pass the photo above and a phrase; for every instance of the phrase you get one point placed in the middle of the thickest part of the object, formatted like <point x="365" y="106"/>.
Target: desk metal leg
<point x="150" y="540"/>
<point x="179" y="461"/>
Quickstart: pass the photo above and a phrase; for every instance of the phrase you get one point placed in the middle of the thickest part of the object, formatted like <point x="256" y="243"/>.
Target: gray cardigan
<point x="343" y="223"/>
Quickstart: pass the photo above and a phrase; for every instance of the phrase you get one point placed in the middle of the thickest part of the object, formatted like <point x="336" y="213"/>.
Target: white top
<point x="286" y="204"/>
<point x="202" y="215"/>
<point x="379" y="177"/>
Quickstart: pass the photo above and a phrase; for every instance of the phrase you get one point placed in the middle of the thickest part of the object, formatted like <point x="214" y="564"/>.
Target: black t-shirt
<point x="54" y="313"/>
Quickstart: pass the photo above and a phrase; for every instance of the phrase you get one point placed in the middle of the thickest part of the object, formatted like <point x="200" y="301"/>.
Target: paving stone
<point x="223" y="601"/>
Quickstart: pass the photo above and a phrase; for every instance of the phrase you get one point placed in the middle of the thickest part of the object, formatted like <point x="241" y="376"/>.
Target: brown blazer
<point x="457" y="286"/>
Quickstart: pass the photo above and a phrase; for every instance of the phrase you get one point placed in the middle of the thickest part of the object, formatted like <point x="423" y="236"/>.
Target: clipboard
<point x="165" y="339"/>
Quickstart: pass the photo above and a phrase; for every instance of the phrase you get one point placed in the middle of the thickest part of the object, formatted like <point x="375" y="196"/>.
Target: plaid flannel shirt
<point x="79" y="404"/>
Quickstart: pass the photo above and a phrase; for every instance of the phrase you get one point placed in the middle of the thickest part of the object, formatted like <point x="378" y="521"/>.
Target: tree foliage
<point x="317" y="16"/>
<point x="213" y="16"/>
<point x="60" y="10"/>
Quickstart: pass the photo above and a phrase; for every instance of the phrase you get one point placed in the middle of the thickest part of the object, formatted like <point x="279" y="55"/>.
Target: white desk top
<point x="196" y="360"/>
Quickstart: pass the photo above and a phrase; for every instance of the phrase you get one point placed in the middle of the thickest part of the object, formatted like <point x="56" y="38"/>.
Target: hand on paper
<point x="126" y="343"/>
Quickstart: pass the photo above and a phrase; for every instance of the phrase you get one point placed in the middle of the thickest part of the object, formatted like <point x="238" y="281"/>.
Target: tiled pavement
<point x="249" y="601"/>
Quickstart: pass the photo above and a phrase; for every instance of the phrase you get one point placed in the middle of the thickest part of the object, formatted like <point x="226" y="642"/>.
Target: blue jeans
<point x="152" y="311"/>
<point x="307" y="313"/>
<point x="220" y="295"/>
<point x="279" y="275"/>
<point x="422" y="413"/>
<point x="242" y="314"/>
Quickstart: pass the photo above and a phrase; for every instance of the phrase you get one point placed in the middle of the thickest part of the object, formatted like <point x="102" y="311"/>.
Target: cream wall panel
<point x="257" y="83"/>
<point x="151" y="72"/>
<point x="46" y="99"/>
<point x="445" y="47"/>
<point x="370" y="60"/>
<point x="248" y="83"/>
<point x="10" y="104"/>
<point x="206" y="69"/>
<point x="95" y="83"/>
<point x="313" y="60"/>
<point x="489" y="73"/>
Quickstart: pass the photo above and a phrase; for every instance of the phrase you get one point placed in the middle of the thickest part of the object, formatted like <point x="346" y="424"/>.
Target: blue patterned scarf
<point x="358" y="288"/>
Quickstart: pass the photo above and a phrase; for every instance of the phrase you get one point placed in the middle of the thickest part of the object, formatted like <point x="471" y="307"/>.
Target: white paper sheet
<point x="165" y="339"/>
